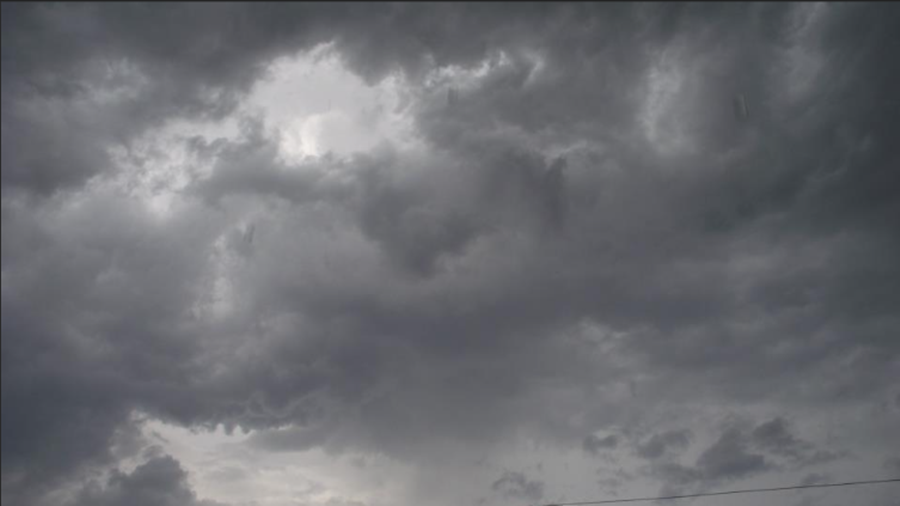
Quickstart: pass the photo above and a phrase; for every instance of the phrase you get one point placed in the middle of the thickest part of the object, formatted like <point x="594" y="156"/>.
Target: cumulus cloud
<point x="159" y="482"/>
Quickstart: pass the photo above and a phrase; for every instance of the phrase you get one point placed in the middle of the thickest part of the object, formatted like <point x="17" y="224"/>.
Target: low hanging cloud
<point x="158" y="482"/>
<point x="740" y="451"/>
<point x="593" y="444"/>
<point x="663" y="442"/>
<point x="582" y="259"/>
<point x="518" y="486"/>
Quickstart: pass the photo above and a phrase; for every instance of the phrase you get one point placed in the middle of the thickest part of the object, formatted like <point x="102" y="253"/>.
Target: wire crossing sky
<point x="454" y="254"/>
<point x="730" y="492"/>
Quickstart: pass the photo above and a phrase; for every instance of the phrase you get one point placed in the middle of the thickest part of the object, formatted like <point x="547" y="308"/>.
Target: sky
<point x="449" y="254"/>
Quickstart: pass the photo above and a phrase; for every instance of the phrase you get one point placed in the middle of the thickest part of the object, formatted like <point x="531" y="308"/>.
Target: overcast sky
<point x="449" y="254"/>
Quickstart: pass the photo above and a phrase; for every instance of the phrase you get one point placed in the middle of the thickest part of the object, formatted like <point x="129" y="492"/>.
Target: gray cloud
<point x="892" y="463"/>
<point x="816" y="478"/>
<point x="589" y="214"/>
<point x="776" y="437"/>
<point x="729" y="458"/>
<point x="159" y="482"/>
<point x="659" y="444"/>
<point x="740" y="451"/>
<point x="593" y="444"/>
<point x="516" y="485"/>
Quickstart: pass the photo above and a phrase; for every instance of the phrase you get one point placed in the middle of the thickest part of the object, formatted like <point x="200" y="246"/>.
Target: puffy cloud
<point x="158" y="482"/>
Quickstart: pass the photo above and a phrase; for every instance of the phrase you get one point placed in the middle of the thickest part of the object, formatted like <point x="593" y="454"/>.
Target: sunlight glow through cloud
<point x="316" y="106"/>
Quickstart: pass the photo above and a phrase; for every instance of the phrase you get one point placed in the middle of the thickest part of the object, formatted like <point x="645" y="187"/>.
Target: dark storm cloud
<point x="740" y="451"/>
<point x="71" y="374"/>
<point x="78" y="80"/>
<point x="158" y="482"/>
<point x="729" y="458"/>
<point x="185" y="61"/>
<point x="547" y="247"/>
<point x="659" y="444"/>
<point x="593" y="444"/>
<point x="775" y="436"/>
<point x="518" y="486"/>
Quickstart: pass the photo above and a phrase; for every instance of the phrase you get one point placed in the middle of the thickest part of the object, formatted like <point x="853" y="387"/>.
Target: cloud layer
<point x="582" y="255"/>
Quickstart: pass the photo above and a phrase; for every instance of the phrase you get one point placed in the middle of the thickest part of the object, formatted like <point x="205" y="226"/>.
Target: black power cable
<point x="728" y="492"/>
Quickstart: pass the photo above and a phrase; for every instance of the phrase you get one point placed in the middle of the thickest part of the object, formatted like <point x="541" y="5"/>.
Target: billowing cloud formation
<point x="582" y="256"/>
<point x="517" y="486"/>
<point x="660" y="443"/>
<point x="158" y="482"/>
<point x="737" y="453"/>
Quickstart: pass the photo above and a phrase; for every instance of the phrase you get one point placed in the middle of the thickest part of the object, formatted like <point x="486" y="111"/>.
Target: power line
<point x="728" y="492"/>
